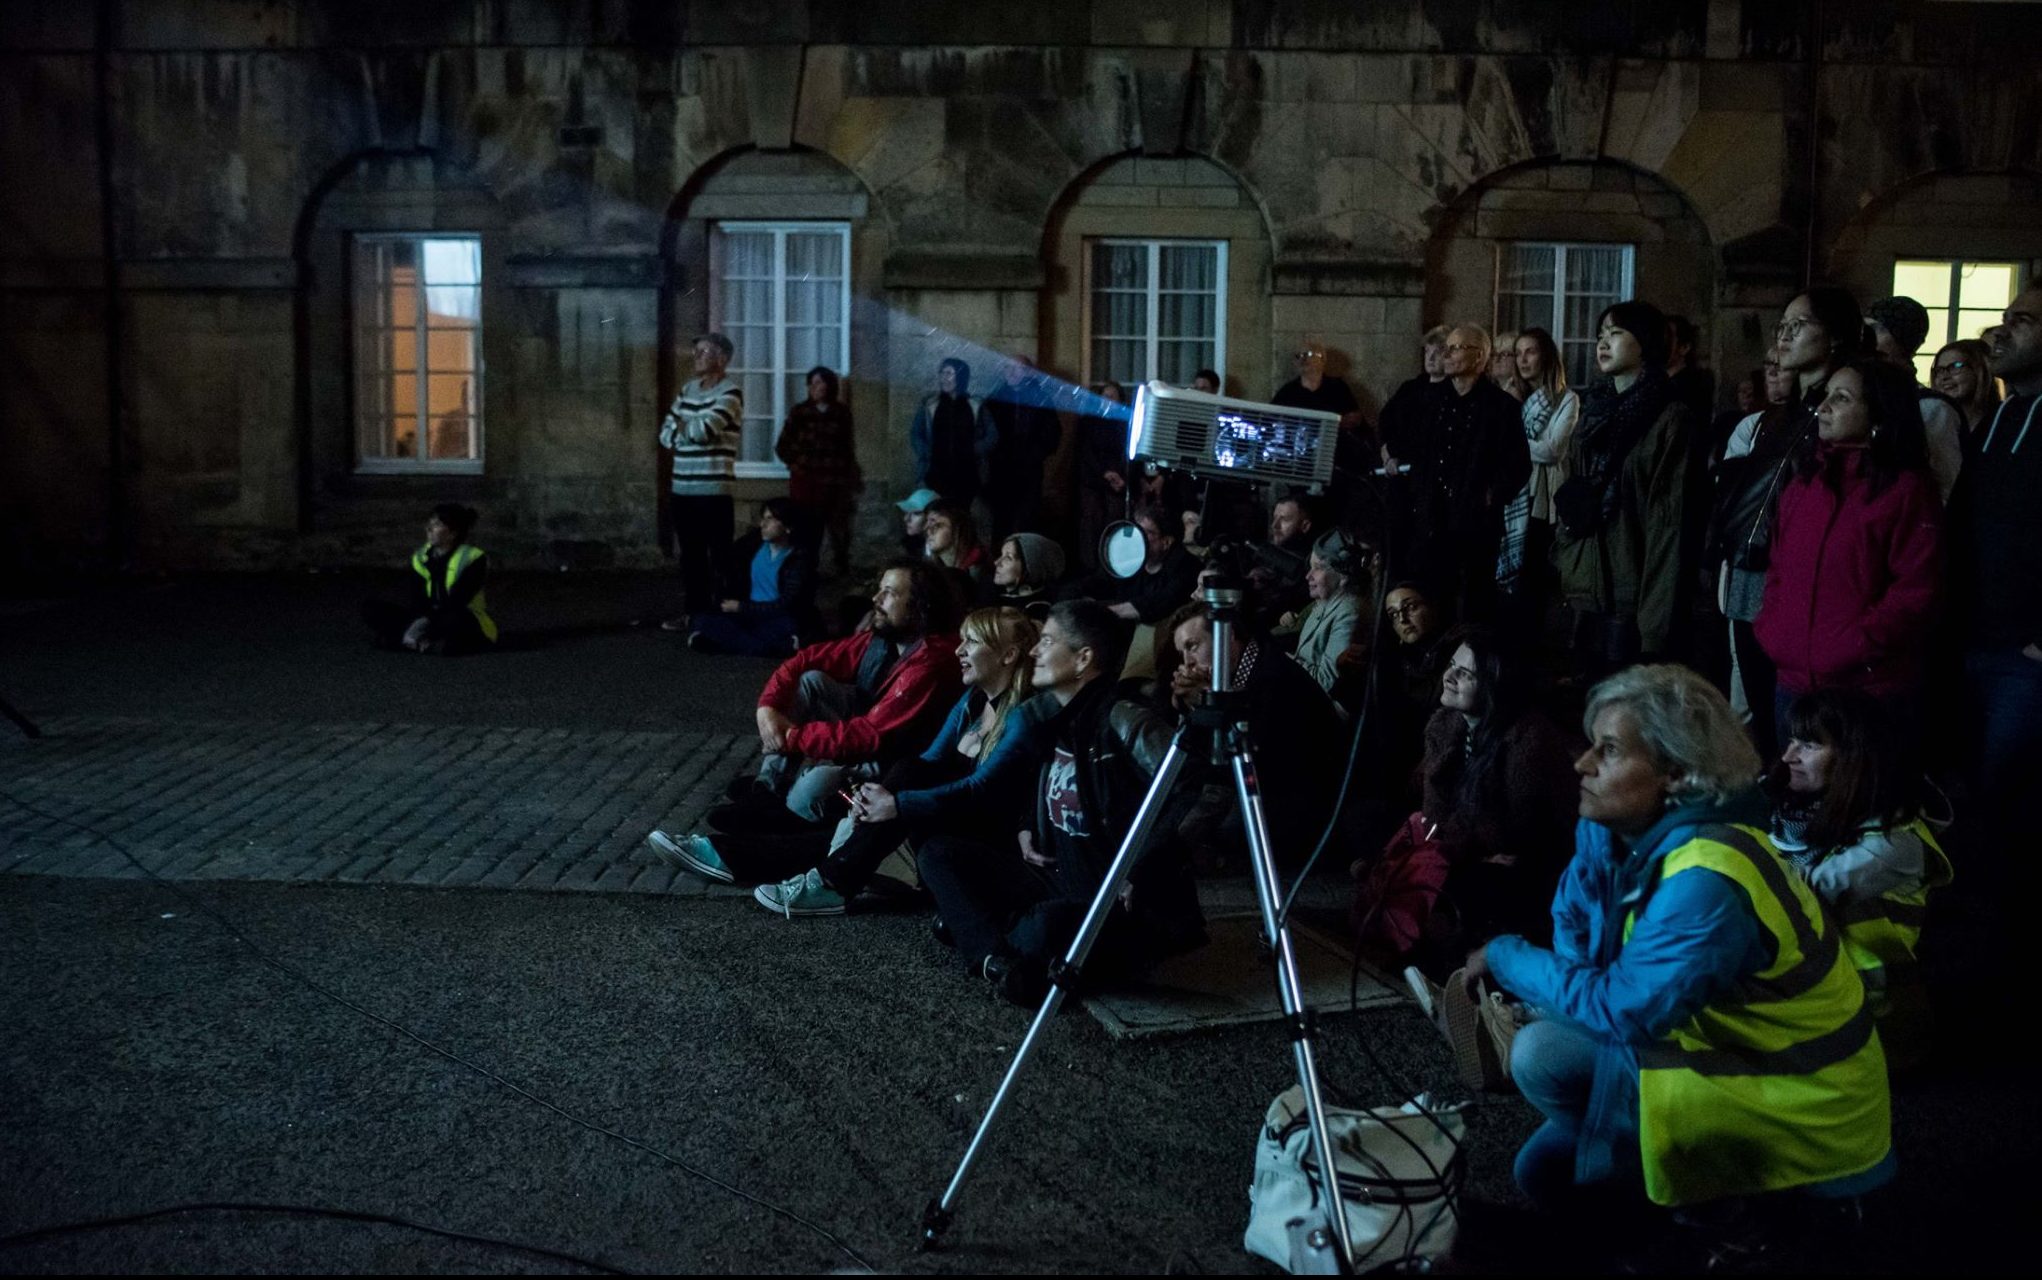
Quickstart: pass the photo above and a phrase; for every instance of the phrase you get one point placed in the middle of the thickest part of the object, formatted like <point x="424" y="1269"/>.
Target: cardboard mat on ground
<point x="1232" y="980"/>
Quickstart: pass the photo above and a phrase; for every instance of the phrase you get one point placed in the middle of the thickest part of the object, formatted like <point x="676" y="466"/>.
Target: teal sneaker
<point x="691" y="853"/>
<point x="803" y="895"/>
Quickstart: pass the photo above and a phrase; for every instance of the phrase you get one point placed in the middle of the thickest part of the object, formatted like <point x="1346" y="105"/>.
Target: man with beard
<point x="836" y="713"/>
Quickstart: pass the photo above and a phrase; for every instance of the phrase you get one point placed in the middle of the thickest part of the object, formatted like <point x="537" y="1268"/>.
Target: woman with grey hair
<point x="1702" y="1032"/>
<point x="1335" y="578"/>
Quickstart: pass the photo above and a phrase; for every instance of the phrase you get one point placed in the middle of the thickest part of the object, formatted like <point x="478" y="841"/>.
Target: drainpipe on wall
<point x="119" y="532"/>
<point x="1814" y="77"/>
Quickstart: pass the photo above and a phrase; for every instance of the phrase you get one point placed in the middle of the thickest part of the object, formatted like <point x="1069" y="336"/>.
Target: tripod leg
<point x="1289" y="987"/>
<point x="936" y="1218"/>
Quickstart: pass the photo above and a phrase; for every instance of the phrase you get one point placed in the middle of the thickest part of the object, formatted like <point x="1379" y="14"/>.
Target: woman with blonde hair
<point x="975" y="774"/>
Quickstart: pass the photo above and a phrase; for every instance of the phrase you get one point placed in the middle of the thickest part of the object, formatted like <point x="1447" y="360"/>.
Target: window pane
<point x="1973" y="324"/>
<point x="1527" y="268"/>
<point x="1120" y="266"/>
<point x="1985" y="286"/>
<point x="396" y="361"/>
<point x="1926" y="282"/>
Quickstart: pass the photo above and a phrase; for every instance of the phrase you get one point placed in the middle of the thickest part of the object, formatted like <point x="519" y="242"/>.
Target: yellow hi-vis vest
<point x="1883" y="933"/>
<point x="463" y="556"/>
<point x="1782" y="1081"/>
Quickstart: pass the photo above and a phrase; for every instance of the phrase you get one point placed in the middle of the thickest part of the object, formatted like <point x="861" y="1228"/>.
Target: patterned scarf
<point x="1538" y="410"/>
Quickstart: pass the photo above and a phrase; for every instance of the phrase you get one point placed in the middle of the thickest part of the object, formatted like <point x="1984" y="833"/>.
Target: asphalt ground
<point x="834" y="1069"/>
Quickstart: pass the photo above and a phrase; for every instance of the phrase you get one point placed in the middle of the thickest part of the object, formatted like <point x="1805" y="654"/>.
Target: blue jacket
<point x="1693" y="940"/>
<point x="1002" y="777"/>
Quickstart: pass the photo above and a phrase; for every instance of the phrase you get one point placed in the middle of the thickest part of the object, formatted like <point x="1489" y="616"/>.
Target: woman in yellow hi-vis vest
<point x="1703" y="1031"/>
<point x="1847" y="814"/>
<point x="447" y="612"/>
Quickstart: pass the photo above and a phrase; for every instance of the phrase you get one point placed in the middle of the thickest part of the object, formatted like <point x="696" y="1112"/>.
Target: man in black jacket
<point x="1299" y="739"/>
<point x="1466" y="449"/>
<point x="1010" y="911"/>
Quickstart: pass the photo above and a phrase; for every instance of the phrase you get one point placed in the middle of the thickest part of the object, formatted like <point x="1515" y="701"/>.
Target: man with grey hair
<point x="700" y="434"/>
<point x="1466" y="449"/>
<point x="1703" y="1031"/>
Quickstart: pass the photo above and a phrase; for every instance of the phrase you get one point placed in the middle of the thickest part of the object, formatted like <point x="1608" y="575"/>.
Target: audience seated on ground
<point x="838" y="713"/>
<point x="768" y="599"/>
<point x="1012" y="907"/>
<point x="447" y="613"/>
<point x="1701" y="1031"/>
<point x="1500" y="795"/>
<point x="950" y="538"/>
<point x="972" y="779"/>
<point x="1164" y="581"/>
<point x="1300" y="742"/>
<point x="1847" y="813"/>
<point x="1334" y="623"/>
<point x="1025" y="574"/>
<point x="1407" y="693"/>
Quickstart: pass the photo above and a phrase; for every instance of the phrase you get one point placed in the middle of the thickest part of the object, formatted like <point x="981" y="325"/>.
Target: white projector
<point x="1225" y="439"/>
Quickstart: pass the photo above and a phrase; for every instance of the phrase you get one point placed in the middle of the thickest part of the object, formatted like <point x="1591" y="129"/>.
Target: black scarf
<point x="1613" y="422"/>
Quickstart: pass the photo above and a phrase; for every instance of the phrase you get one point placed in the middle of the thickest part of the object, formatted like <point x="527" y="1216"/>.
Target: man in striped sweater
<point x="702" y="431"/>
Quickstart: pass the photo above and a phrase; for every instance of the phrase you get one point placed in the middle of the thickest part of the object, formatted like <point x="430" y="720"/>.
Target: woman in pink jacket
<point x="1856" y="555"/>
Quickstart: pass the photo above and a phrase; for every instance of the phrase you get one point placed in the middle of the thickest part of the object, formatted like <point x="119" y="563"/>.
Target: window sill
<point x="390" y="467"/>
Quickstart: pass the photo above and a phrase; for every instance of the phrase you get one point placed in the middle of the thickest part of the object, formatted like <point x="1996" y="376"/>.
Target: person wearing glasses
<point x="1963" y="372"/>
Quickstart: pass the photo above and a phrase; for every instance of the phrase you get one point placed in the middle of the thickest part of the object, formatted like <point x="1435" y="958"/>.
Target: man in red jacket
<point x="835" y="713"/>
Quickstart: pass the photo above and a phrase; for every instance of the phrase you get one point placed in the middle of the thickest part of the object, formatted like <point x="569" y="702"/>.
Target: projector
<point x="1224" y="439"/>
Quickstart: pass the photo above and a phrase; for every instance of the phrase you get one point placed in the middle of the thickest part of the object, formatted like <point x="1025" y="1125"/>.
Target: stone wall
<point x="1362" y="160"/>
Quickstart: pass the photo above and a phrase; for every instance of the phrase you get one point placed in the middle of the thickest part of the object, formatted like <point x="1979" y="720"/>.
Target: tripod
<point x="1223" y="718"/>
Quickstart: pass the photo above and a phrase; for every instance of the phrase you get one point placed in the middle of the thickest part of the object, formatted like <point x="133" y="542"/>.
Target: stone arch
<point x="1940" y="214"/>
<point x="1675" y="262"/>
<point x="1189" y="196"/>
<point x="790" y="184"/>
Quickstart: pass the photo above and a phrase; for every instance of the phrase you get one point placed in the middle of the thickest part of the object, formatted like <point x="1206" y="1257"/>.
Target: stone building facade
<point x="188" y="179"/>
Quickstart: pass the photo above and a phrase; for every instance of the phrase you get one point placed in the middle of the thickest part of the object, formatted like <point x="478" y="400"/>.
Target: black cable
<point x="1370" y="696"/>
<point x="292" y="971"/>
<point x="305" y="1211"/>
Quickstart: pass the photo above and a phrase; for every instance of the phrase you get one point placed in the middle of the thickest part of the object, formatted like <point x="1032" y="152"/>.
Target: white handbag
<point x="1399" y="1173"/>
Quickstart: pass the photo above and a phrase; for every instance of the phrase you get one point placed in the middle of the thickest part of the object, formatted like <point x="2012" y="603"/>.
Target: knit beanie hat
<point x="1904" y="318"/>
<point x="1644" y="322"/>
<point x="1042" y="560"/>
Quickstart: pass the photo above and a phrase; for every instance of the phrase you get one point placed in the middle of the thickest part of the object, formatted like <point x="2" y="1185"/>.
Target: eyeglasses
<point x="1788" y="330"/>
<point x="1951" y="367"/>
<point x="1404" y="612"/>
<point x="1310" y="353"/>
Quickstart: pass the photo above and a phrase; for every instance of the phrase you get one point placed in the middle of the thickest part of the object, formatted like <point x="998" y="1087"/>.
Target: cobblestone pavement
<point x="370" y="803"/>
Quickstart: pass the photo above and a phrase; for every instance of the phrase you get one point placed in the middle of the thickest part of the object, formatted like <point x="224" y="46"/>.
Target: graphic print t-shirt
<point x="1067" y="828"/>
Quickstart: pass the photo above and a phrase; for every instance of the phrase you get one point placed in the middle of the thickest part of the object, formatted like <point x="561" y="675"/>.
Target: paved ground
<point x="238" y="737"/>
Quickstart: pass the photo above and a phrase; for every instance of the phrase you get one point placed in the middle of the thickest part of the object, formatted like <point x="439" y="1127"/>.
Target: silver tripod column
<point x="1228" y="732"/>
<point x="1239" y="750"/>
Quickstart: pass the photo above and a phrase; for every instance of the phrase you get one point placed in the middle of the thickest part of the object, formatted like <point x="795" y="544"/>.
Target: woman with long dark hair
<point x="1551" y="410"/>
<point x="819" y="446"/>
<point x="1847" y="813"/>
<point x="1963" y="372"/>
<point x="1498" y="779"/>
<point x="1856" y="554"/>
<point x="1819" y="331"/>
<point x="1617" y="544"/>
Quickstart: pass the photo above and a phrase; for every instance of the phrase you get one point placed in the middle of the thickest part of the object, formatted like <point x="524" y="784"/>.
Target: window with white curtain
<point x="781" y="292"/>
<point x="1561" y="288"/>
<point x="1158" y="310"/>
<point x="1963" y="299"/>
<point x="418" y="352"/>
